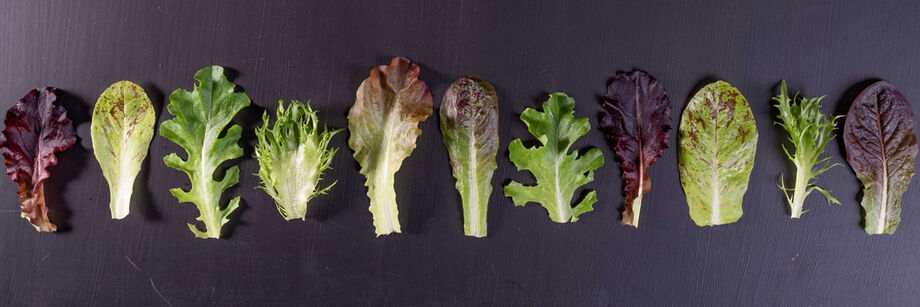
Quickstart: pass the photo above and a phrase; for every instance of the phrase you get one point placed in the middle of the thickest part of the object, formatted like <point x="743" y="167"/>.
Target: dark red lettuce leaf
<point x="881" y="142"/>
<point x="36" y="128"/>
<point x="636" y="114"/>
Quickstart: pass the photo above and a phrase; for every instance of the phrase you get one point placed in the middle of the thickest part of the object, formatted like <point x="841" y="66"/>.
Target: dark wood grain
<point x="322" y="50"/>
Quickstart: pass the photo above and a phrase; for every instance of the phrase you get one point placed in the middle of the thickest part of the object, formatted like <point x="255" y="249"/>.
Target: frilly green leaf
<point x="293" y="155"/>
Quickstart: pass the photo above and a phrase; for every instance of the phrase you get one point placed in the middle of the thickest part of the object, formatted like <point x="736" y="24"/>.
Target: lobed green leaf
<point x="200" y="128"/>
<point x="559" y="174"/>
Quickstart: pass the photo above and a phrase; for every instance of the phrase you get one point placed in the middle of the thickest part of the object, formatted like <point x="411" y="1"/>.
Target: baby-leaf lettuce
<point x="201" y="117"/>
<point x="383" y="124"/>
<point x="881" y="142"/>
<point x="122" y="129"/>
<point x="809" y="131"/>
<point x="718" y="139"/>
<point x="292" y="155"/>
<point x="36" y="128"/>
<point x="469" y="124"/>
<point x="636" y="114"/>
<point x="558" y="173"/>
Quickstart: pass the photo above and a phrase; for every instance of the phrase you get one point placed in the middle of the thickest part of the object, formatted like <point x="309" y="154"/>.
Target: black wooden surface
<point x="322" y="51"/>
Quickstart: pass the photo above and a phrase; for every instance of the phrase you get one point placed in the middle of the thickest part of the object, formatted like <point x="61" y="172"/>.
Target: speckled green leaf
<point x="718" y="138"/>
<point x="122" y="129"/>
<point x="200" y="127"/>
<point x="469" y="124"/>
<point x="559" y="174"/>
<point x="383" y="124"/>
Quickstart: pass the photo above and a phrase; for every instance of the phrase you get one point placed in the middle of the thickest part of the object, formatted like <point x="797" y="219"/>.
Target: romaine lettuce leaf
<point x="469" y="124"/>
<point x="122" y="129"/>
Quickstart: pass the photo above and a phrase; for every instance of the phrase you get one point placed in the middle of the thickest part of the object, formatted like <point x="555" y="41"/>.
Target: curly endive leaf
<point x="809" y="131"/>
<point x="469" y="124"/>
<point x="122" y="129"/>
<point x="718" y="139"/>
<point x="36" y="128"/>
<point x="881" y="142"/>
<point x="292" y="155"/>
<point x="201" y="117"/>
<point x="636" y="114"/>
<point x="558" y="173"/>
<point x="383" y="124"/>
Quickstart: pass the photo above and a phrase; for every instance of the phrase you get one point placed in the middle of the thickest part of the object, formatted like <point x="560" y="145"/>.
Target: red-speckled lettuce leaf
<point x="36" y="128"/>
<point x="881" y="141"/>
<point x="636" y="114"/>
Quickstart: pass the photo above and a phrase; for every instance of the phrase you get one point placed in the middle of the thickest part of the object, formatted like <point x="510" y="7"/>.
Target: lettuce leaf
<point x="36" y="128"/>
<point x="383" y="124"/>
<point x="881" y="142"/>
<point x="809" y="131"/>
<point x="292" y="155"/>
<point x="558" y="173"/>
<point x="122" y="129"/>
<point x="636" y="114"/>
<point x="199" y="127"/>
<point x="469" y="124"/>
<point x="718" y="139"/>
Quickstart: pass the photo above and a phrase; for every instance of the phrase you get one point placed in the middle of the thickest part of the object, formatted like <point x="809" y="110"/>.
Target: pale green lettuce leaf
<point x="292" y="155"/>
<point x="122" y="129"/>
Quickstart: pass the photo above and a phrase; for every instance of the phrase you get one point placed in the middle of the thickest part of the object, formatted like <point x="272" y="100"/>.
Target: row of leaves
<point x="717" y="139"/>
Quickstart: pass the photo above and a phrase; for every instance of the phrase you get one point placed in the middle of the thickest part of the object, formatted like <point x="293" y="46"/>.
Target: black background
<point x="322" y="51"/>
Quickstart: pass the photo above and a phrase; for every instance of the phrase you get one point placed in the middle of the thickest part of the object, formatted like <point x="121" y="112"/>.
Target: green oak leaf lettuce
<point x="558" y="173"/>
<point x="292" y="155"/>
<point x="200" y="127"/>
<point x="718" y="139"/>
<point x="469" y="124"/>
<point x="809" y="131"/>
<point x="383" y="124"/>
<point x="122" y="129"/>
<point x="881" y="142"/>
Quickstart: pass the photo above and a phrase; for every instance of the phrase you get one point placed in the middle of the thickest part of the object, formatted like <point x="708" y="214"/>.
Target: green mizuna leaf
<point x="383" y="124"/>
<point x="122" y="128"/>
<point x="469" y="124"/>
<point x="809" y="131"/>
<point x="718" y="138"/>
<point x="558" y="173"/>
<point x="292" y="155"/>
<point x="199" y="127"/>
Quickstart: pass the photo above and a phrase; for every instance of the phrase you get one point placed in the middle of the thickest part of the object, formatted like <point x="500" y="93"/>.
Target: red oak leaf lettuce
<point x="636" y="114"/>
<point x="36" y="128"/>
